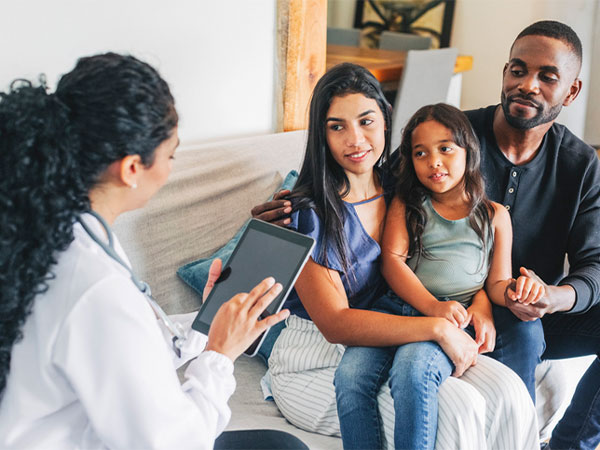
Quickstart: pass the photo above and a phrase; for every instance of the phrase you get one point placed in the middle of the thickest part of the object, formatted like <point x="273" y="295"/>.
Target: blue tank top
<point x="456" y="266"/>
<point x="366" y="283"/>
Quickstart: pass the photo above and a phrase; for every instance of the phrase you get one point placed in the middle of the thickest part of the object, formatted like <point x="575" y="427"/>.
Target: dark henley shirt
<point x="554" y="203"/>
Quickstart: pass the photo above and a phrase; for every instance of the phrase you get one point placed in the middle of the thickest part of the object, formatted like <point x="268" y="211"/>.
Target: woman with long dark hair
<point x="83" y="360"/>
<point x="341" y="199"/>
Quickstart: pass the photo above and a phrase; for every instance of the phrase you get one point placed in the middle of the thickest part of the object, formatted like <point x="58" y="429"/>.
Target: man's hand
<point x="556" y="298"/>
<point x="276" y="211"/>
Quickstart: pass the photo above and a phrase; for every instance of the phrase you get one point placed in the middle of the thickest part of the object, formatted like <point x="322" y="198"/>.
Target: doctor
<point x="87" y="360"/>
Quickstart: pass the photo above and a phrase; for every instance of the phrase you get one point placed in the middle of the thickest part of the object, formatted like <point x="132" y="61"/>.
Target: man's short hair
<point x="556" y="30"/>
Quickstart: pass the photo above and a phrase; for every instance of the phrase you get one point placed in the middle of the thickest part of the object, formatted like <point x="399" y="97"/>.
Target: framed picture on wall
<point x="430" y="18"/>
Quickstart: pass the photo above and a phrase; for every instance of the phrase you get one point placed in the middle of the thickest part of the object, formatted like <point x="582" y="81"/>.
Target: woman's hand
<point x="458" y="345"/>
<point x="277" y="211"/>
<point x="213" y="275"/>
<point x="236" y="324"/>
<point x="452" y="311"/>
<point x="527" y="289"/>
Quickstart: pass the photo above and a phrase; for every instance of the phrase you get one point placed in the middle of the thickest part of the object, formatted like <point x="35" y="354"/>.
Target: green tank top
<point x="456" y="266"/>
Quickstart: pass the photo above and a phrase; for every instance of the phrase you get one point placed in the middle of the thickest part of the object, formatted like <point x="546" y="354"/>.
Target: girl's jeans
<point x="415" y="372"/>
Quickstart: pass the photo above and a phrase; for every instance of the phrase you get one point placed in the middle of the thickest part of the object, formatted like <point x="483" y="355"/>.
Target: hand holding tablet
<point x="237" y="323"/>
<point x="264" y="255"/>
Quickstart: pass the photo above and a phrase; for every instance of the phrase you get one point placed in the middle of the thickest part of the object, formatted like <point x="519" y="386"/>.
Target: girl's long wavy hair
<point x="413" y="193"/>
<point x="322" y="183"/>
<point x="53" y="149"/>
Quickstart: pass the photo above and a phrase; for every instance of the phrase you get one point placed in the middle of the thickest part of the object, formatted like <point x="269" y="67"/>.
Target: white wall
<point x="592" y="122"/>
<point x="218" y="56"/>
<point x="486" y="29"/>
<point x="340" y="13"/>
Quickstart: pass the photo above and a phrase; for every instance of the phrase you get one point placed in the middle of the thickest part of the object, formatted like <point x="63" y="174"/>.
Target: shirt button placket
<point x="511" y="188"/>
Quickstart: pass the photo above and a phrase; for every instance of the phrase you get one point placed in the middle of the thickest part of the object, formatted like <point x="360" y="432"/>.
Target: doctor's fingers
<point x="247" y="299"/>
<point x="253" y="303"/>
<point x="258" y="305"/>
<point x="213" y="275"/>
<point x="273" y="319"/>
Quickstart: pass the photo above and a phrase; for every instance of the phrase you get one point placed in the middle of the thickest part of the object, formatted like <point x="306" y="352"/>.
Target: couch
<point x="207" y="199"/>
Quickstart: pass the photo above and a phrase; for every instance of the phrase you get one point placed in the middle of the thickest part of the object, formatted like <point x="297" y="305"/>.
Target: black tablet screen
<point x="264" y="250"/>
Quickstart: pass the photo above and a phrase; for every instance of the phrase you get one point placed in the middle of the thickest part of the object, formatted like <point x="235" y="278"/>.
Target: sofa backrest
<point x="207" y="199"/>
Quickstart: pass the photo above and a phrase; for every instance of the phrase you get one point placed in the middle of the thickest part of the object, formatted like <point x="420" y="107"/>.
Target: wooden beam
<point x="305" y="57"/>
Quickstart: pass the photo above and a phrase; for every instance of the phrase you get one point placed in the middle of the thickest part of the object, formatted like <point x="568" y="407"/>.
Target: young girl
<point x="341" y="199"/>
<point x="446" y="250"/>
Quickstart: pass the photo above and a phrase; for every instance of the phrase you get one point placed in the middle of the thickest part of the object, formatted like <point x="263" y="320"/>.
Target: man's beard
<point x="522" y="123"/>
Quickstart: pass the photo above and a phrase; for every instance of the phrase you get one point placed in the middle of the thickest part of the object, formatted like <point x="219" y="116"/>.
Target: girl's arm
<point x="402" y="279"/>
<point x="322" y="293"/>
<point x="482" y="320"/>
<point x="500" y="285"/>
<point x="499" y="276"/>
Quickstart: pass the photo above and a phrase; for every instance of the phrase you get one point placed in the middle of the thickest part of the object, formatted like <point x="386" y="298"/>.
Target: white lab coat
<point x="93" y="369"/>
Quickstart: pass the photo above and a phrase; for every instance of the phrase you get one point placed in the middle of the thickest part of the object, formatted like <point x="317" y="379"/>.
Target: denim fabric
<point x="519" y="345"/>
<point x="415" y="373"/>
<point x="358" y="378"/>
<point x="567" y="336"/>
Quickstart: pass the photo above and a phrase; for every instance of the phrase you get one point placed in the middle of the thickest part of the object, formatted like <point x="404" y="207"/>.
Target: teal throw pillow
<point x="195" y="274"/>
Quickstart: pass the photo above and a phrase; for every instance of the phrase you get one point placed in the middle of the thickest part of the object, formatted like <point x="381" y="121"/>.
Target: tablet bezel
<point x="294" y="237"/>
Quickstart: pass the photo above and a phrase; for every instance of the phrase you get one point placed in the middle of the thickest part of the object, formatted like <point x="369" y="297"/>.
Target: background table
<point x="385" y="65"/>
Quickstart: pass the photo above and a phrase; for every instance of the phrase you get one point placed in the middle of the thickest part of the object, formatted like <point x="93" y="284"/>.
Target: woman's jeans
<point x="415" y="373"/>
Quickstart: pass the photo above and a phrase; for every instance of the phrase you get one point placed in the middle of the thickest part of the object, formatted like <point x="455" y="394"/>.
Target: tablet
<point x="264" y="250"/>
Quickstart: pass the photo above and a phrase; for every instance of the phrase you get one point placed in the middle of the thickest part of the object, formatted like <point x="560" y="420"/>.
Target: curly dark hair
<point x="53" y="149"/>
<point x="413" y="193"/>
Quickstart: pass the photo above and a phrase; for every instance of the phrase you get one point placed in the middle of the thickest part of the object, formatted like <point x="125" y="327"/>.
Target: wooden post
<point x="305" y="57"/>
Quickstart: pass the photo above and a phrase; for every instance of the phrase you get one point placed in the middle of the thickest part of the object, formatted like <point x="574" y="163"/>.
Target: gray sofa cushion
<point x="195" y="273"/>
<point x="207" y="199"/>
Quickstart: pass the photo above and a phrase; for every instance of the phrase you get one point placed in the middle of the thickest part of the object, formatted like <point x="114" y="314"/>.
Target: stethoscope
<point x="174" y="329"/>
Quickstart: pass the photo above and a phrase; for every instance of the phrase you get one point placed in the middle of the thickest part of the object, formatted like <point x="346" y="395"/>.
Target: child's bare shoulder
<point x="501" y="214"/>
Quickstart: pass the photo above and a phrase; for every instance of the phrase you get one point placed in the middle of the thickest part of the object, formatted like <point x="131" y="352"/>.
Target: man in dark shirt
<point x="549" y="180"/>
